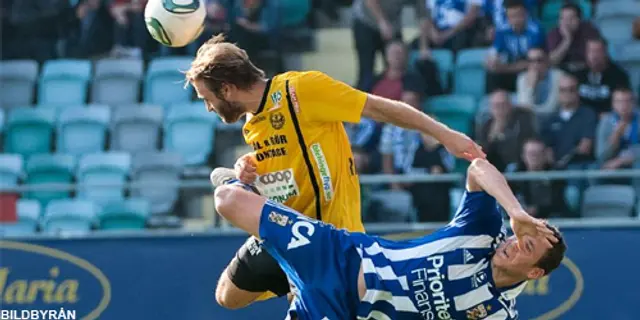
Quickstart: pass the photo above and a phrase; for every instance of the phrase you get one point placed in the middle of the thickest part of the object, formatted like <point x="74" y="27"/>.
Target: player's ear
<point x="535" y="273"/>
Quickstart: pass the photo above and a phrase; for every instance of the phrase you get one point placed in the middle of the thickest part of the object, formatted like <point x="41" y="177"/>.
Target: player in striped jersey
<point x="468" y="269"/>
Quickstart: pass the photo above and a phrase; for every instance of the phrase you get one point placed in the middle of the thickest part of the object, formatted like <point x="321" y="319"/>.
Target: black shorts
<point x="253" y="269"/>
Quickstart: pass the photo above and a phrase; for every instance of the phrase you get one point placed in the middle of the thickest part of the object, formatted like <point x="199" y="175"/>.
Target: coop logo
<point x="37" y="277"/>
<point x="552" y="296"/>
<point x="278" y="186"/>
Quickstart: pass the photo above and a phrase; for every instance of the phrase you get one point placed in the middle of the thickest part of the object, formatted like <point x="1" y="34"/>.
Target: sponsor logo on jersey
<point x="276" y="99"/>
<point x="428" y="290"/>
<point x="278" y="186"/>
<point x="294" y="98"/>
<point x="467" y="256"/>
<point x="478" y="312"/>
<point x="323" y="168"/>
<point x="478" y="279"/>
<point x="257" y="119"/>
<point x="278" y="218"/>
<point x="277" y="120"/>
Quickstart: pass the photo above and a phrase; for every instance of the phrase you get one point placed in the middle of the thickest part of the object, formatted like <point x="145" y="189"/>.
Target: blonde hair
<point x="219" y="62"/>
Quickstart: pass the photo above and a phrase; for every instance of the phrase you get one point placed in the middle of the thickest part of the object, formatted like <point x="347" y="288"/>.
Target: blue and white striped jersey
<point x="445" y="275"/>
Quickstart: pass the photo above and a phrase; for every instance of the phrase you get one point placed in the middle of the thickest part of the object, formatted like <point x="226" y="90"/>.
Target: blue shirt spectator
<point x="495" y="9"/>
<point x="512" y="46"/>
<point x="447" y="14"/>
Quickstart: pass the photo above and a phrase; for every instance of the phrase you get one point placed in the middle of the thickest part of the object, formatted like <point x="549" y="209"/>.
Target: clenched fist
<point x="245" y="168"/>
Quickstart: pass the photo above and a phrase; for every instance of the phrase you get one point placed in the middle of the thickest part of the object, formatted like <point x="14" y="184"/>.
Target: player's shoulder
<point x="303" y="76"/>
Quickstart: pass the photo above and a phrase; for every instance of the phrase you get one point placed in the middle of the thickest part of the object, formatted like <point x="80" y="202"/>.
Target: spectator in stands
<point x="35" y="27"/>
<point x="250" y="26"/>
<point x="570" y="131"/>
<point x="89" y="29"/>
<point x="618" y="141"/>
<point x="395" y="141"/>
<point x="568" y="41"/>
<point x="508" y="56"/>
<point x="375" y="23"/>
<point x="495" y="9"/>
<point x="537" y="88"/>
<point x="365" y="137"/>
<point x="446" y="23"/>
<point x="130" y="34"/>
<point x="504" y="134"/>
<point x="540" y="198"/>
<point x="600" y="78"/>
<point x="427" y="156"/>
<point x="390" y="84"/>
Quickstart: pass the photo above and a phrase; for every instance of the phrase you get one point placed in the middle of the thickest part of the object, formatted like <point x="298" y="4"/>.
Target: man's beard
<point x="230" y="112"/>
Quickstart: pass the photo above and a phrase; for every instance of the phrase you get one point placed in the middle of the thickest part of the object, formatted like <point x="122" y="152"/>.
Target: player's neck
<point x="253" y="97"/>
<point x="503" y="279"/>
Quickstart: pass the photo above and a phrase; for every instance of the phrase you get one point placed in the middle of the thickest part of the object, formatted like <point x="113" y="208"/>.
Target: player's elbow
<point x="225" y="198"/>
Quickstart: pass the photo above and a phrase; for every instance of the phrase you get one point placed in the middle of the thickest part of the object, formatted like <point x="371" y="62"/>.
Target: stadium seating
<point x="49" y="169"/>
<point x="124" y="215"/>
<point x="64" y="82"/>
<point x="117" y="81"/>
<point x="17" y="82"/>
<point x="29" y="131"/>
<point x="163" y="81"/>
<point x="136" y="128"/>
<point x="457" y="111"/>
<point x="615" y="21"/>
<point x="469" y="74"/>
<point x="608" y="201"/>
<point x="11" y="166"/>
<point x="82" y="130"/>
<point x="189" y="130"/>
<point x="102" y="176"/>
<point x="157" y="176"/>
<point x="69" y="216"/>
<point x="28" y="212"/>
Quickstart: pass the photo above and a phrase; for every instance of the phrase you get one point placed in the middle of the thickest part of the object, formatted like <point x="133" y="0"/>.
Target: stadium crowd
<point x="552" y="95"/>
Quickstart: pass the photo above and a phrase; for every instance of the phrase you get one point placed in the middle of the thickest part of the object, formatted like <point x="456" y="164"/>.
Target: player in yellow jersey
<point x="302" y="156"/>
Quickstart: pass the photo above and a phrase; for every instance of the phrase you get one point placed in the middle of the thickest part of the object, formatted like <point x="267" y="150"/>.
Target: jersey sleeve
<point x="478" y="213"/>
<point x="322" y="98"/>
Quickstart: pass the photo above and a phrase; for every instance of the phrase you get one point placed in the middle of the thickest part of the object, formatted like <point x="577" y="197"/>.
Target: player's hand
<point x="526" y="228"/>
<point x="245" y="169"/>
<point x="461" y="146"/>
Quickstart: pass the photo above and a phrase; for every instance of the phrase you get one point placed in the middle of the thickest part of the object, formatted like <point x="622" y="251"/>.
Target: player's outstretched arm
<point x="483" y="176"/>
<point x="405" y="116"/>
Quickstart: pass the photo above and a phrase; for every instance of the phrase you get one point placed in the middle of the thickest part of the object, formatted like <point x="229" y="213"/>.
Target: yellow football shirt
<point x="301" y="148"/>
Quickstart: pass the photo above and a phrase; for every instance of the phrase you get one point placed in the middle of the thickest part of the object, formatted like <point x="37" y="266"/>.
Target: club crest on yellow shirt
<point x="277" y="120"/>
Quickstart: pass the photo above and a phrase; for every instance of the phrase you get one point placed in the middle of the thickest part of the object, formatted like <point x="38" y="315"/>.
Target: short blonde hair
<point x="220" y="62"/>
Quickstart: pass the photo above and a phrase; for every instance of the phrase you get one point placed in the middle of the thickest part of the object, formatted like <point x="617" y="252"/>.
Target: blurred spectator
<point x="600" y="78"/>
<point x="540" y="198"/>
<point x="568" y="41"/>
<point x="250" y="26"/>
<point x="537" y="88"/>
<point x="375" y="23"/>
<point x="618" y="141"/>
<point x="427" y="156"/>
<point x="35" y="27"/>
<point x="446" y="23"/>
<point x="92" y="31"/>
<point x="395" y="141"/>
<point x="495" y="9"/>
<point x="503" y="135"/>
<point x="391" y="82"/>
<point x="570" y="131"/>
<point x="510" y="47"/>
<point x="130" y="34"/>
<point x="365" y="136"/>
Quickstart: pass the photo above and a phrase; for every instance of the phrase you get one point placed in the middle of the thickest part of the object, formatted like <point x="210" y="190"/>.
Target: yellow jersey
<point x="302" y="152"/>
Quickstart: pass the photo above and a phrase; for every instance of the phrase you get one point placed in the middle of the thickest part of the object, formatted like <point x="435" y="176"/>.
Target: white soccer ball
<point x="175" y="23"/>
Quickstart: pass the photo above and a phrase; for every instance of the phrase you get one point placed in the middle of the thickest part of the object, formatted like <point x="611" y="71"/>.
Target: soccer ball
<point x="175" y="23"/>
